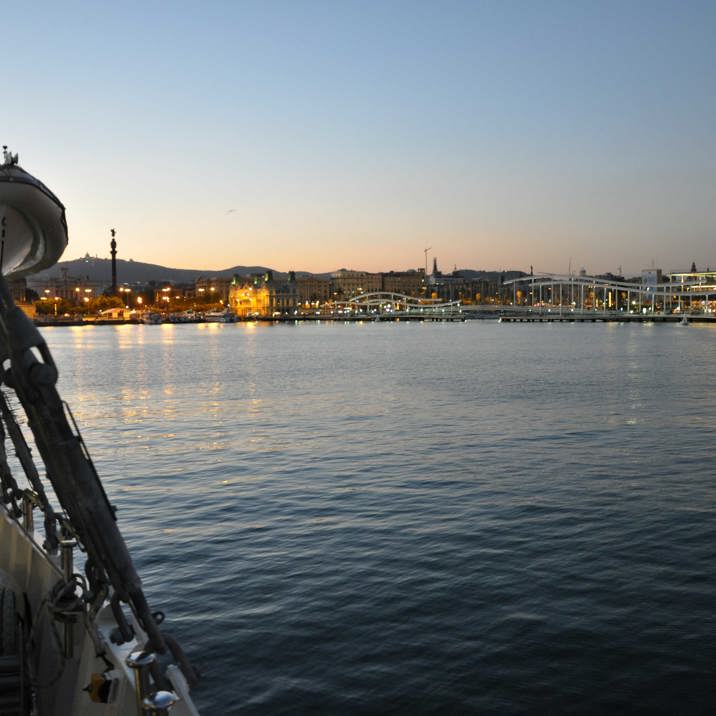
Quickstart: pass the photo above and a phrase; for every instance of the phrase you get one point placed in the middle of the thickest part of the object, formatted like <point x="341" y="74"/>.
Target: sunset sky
<point x="328" y="134"/>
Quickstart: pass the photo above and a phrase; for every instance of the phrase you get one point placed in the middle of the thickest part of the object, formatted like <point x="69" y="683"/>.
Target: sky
<point x="329" y="134"/>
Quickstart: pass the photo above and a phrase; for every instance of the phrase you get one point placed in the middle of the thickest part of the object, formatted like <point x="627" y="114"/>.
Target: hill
<point x="97" y="269"/>
<point x="91" y="268"/>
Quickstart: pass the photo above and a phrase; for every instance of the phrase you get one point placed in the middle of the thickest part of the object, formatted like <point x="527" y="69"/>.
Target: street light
<point x="125" y="290"/>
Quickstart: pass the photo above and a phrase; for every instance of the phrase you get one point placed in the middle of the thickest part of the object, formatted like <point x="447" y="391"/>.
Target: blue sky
<point x="317" y="135"/>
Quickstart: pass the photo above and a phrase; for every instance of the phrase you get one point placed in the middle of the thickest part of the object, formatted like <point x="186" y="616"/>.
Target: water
<point x="416" y="518"/>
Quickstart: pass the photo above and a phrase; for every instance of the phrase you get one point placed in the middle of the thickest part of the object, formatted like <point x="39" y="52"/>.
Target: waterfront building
<point x="696" y="289"/>
<point x="408" y="283"/>
<point x="313" y="291"/>
<point x="213" y="289"/>
<point x="263" y="296"/>
<point x="345" y="283"/>
<point x="74" y="289"/>
<point x="693" y="278"/>
<point x="468" y="286"/>
<point x="283" y="294"/>
<point x="167" y="293"/>
<point x="248" y="300"/>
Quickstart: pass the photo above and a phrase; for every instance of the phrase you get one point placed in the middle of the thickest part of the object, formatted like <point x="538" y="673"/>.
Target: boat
<point x="225" y="316"/>
<point x="190" y="316"/>
<point x="151" y="318"/>
<point x="77" y="634"/>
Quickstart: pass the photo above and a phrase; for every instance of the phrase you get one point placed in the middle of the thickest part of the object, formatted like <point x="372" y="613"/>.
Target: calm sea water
<point x="416" y="518"/>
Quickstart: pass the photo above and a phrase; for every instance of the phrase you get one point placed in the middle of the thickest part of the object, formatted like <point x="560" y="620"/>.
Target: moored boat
<point x="225" y="316"/>
<point x="151" y="318"/>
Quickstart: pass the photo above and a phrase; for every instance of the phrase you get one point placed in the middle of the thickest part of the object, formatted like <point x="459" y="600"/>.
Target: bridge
<point x="397" y="305"/>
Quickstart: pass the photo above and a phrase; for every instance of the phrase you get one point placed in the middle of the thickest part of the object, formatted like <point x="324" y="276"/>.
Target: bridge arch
<point x="384" y="302"/>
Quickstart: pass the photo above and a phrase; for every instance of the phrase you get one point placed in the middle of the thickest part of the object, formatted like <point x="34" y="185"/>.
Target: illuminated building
<point x="696" y="289"/>
<point x="263" y="296"/>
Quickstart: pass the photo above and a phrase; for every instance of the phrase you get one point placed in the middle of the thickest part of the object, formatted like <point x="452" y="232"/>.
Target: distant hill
<point x="91" y="268"/>
<point x="96" y="269"/>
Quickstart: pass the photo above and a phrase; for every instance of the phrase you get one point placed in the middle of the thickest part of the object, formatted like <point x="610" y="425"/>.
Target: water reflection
<point x="454" y="518"/>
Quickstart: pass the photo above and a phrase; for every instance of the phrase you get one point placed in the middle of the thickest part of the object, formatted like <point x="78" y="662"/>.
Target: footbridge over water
<point x="398" y="305"/>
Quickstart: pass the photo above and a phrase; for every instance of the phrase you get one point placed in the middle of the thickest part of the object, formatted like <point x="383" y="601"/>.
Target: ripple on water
<point x="416" y="519"/>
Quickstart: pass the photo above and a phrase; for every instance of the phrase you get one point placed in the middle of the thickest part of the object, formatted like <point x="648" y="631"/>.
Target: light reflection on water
<point x="415" y="517"/>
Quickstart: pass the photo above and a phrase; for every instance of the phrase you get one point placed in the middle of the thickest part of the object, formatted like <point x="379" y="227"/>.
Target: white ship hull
<point x="33" y="229"/>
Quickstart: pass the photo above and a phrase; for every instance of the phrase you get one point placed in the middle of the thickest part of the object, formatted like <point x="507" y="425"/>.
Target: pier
<point x="603" y="317"/>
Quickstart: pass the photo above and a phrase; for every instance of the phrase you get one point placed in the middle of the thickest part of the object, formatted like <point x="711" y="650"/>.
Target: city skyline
<point x="163" y="263"/>
<point x="316" y="136"/>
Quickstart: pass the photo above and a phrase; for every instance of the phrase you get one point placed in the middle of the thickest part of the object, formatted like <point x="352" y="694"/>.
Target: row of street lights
<point x="124" y="293"/>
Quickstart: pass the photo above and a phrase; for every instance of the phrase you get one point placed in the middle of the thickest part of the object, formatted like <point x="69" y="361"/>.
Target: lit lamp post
<point x="125" y="291"/>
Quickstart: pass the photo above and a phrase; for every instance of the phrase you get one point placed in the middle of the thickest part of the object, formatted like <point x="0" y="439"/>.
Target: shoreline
<point x="400" y="319"/>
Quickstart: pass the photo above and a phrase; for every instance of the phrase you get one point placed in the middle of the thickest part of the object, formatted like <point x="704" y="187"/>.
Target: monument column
<point x="113" y="245"/>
